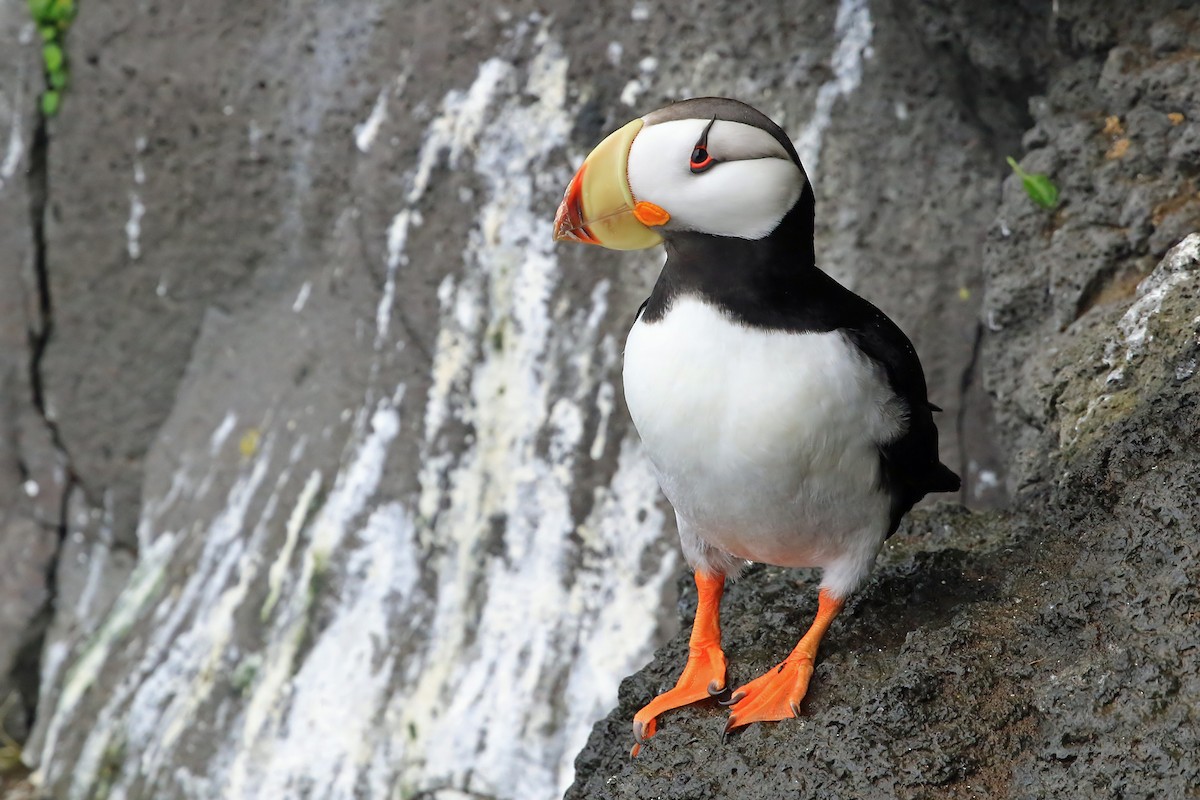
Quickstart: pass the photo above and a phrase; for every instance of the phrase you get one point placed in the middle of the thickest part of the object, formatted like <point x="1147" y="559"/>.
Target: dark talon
<point x="639" y="732"/>
<point x="732" y="699"/>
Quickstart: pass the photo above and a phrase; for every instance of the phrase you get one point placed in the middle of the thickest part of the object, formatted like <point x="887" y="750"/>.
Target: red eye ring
<point x="701" y="160"/>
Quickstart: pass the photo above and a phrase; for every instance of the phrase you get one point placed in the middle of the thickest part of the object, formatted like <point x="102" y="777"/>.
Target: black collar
<point x="771" y="282"/>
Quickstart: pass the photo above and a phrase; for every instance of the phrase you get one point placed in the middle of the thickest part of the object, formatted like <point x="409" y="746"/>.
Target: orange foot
<point x="777" y="694"/>
<point x="703" y="677"/>
<point x="773" y="696"/>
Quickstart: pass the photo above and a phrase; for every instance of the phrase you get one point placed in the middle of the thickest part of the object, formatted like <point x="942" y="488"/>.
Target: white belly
<point x="764" y="441"/>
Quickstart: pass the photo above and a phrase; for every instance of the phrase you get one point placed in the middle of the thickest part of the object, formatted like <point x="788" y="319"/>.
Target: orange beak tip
<point x="569" y="225"/>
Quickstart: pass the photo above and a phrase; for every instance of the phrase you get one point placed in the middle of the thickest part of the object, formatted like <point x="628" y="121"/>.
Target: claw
<point x="641" y="732"/>
<point x="721" y="696"/>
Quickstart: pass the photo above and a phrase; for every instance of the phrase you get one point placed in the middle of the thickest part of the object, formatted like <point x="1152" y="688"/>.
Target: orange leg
<point x="777" y="694"/>
<point x="704" y="674"/>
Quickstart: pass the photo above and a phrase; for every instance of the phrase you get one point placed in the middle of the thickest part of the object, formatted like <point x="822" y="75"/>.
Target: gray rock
<point x="32" y="470"/>
<point x="26" y="552"/>
<point x="1127" y="196"/>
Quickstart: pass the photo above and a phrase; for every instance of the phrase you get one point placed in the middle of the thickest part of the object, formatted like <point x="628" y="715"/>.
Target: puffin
<point x="787" y="419"/>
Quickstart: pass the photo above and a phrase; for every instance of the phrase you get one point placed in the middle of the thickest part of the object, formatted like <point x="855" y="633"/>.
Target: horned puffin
<point x="786" y="418"/>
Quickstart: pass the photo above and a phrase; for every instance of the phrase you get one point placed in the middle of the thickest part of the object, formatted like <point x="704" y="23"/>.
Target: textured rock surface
<point x="1048" y="651"/>
<point x="1117" y="129"/>
<point x="32" y="476"/>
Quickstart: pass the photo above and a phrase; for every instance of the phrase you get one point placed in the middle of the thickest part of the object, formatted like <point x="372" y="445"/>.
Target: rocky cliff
<point x="315" y="477"/>
<point x="1048" y="650"/>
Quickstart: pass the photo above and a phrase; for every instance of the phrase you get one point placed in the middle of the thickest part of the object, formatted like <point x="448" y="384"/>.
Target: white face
<point x="750" y="185"/>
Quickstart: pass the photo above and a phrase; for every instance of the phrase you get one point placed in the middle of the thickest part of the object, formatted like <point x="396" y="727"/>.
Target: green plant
<point x="245" y="673"/>
<point x="52" y="18"/>
<point x="109" y="771"/>
<point x="1040" y="188"/>
<point x="10" y="748"/>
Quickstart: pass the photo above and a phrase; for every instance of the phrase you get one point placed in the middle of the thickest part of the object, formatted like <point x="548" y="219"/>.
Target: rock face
<point x="32" y="468"/>
<point x="1026" y="654"/>
<point x="1047" y="651"/>
<point x="315" y="474"/>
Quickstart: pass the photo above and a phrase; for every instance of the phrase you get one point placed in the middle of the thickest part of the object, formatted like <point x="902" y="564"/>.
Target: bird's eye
<point x="701" y="160"/>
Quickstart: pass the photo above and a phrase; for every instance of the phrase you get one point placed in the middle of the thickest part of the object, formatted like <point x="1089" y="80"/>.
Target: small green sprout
<point x="245" y="673"/>
<point x="1040" y="188"/>
<point x="52" y="18"/>
<point x="10" y="748"/>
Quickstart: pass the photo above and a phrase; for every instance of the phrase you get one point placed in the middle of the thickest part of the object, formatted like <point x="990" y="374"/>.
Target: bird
<point x="786" y="418"/>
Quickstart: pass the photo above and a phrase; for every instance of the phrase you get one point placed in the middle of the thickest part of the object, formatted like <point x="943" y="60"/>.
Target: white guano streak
<point x="448" y="658"/>
<point x="137" y="209"/>
<point x="365" y="131"/>
<point x="492" y="371"/>
<point x="302" y="297"/>
<point x="16" y="145"/>
<point x="221" y="433"/>
<point x="12" y="109"/>
<point x="156" y="697"/>
<point x="397" y="239"/>
<point x="1178" y="266"/>
<point x="514" y="618"/>
<point x="853" y="29"/>
<point x="281" y="742"/>
<point x="133" y="226"/>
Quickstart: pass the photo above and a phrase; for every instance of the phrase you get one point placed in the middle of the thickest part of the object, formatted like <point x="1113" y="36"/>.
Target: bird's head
<point x="710" y="165"/>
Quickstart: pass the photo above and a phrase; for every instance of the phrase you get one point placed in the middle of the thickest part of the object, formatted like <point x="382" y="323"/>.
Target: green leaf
<point x="39" y="8"/>
<point x="58" y="80"/>
<point x="52" y="54"/>
<point x="49" y="33"/>
<point x="50" y="101"/>
<point x="1040" y="188"/>
<point x="61" y="10"/>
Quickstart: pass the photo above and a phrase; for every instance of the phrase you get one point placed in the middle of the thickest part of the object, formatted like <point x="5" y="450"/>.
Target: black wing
<point x="910" y="465"/>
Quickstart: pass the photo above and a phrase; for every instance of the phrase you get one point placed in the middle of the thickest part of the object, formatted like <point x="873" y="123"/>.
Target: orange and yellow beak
<point x="599" y="208"/>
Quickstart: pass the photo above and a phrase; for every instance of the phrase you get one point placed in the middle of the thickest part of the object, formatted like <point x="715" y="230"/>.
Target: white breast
<point x="765" y="442"/>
